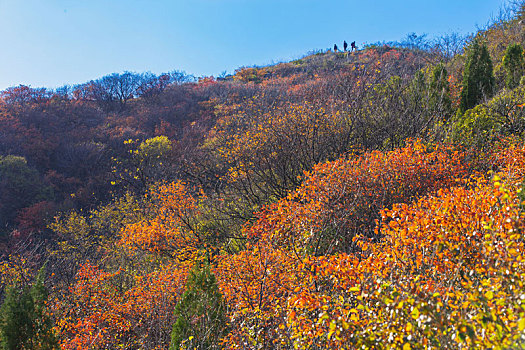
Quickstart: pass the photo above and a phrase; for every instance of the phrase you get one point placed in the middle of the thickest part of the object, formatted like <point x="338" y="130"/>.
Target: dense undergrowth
<point x="347" y="200"/>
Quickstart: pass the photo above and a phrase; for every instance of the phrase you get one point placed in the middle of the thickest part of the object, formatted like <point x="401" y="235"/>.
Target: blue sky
<point x="55" y="42"/>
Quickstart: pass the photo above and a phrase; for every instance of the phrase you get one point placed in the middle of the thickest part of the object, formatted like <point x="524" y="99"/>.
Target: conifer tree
<point x="478" y="77"/>
<point x="513" y="63"/>
<point x="24" y="322"/>
<point x="440" y="101"/>
<point x="200" y="320"/>
<point x="417" y="89"/>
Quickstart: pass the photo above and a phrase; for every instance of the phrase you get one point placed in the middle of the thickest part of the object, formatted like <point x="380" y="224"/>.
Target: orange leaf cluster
<point x="106" y="309"/>
<point x="172" y="229"/>
<point x="448" y="273"/>
<point x="343" y="198"/>
<point x="273" y="287"/>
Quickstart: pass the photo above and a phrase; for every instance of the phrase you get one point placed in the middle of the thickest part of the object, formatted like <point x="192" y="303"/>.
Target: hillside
<point x="74" y="141"/>
<point x="368" y="199"/>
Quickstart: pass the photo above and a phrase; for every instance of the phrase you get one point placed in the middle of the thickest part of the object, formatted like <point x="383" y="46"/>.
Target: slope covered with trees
<point x="368" y="199"/>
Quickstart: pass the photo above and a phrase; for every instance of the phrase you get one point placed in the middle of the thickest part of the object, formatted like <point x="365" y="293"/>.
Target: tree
<point x="24" y="321"/>
<point x="519" y="8"/>
<point x="478" y="77"/>
<point x="417" y="89"/>
<point x="200" y="313"/>
<point x="449" y="45"/>
<point x="23" y="94"/>
<point x="20" y="187"/>
<point x="440" y="101"/>
<point x="115" y="90"/>
<point x="148" y="163"/>
<point x="513" y="63"/>
<point x="126" y="308"/>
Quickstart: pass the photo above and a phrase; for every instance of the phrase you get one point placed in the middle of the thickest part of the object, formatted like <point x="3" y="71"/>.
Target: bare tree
<point x="449" y="45"/>
<point x="115" y="90"/>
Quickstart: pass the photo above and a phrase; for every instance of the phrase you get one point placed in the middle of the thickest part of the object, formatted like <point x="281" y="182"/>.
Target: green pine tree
<point x="24" y="322"/>
<point x="417" y="89"/>
<point x="478" y="77"/>
<point x="513" y="64"/>
<point x="440" y="101"/>
<point x="200" y="315"/>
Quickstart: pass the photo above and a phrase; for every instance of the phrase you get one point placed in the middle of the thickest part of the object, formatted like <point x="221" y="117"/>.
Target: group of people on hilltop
<point x="345" y="46"/>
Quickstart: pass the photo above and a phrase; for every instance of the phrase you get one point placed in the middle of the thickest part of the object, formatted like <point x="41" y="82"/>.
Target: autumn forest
<point x="363" y="199"/>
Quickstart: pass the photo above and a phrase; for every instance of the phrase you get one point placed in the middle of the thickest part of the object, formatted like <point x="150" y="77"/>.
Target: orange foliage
<point x="509" y="156"/>
<point x="173" y="230"/>
<point x="247" y="75"/>
<point x="106" y="309"/>
<point x="342" y="198"/>
<point x="447" y="273"/>
<point x="281" y="273"/>
<point x="439" y="268"/>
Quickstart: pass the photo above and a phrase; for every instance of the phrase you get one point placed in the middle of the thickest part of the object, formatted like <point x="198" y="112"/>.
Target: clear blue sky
<point x="55" y="42"/>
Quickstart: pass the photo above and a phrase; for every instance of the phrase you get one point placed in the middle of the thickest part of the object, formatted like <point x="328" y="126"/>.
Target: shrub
<point x="513" y="63"/>
<point x="478" y="77"/>
<point x="200" y="313"/>
<point x="24" y="321"/>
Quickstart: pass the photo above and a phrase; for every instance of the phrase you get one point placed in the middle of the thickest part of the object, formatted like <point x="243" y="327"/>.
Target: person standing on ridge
<point x="345" y="45"/>
<point x="353" y="46"/>
<point x="335" y="48"/>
